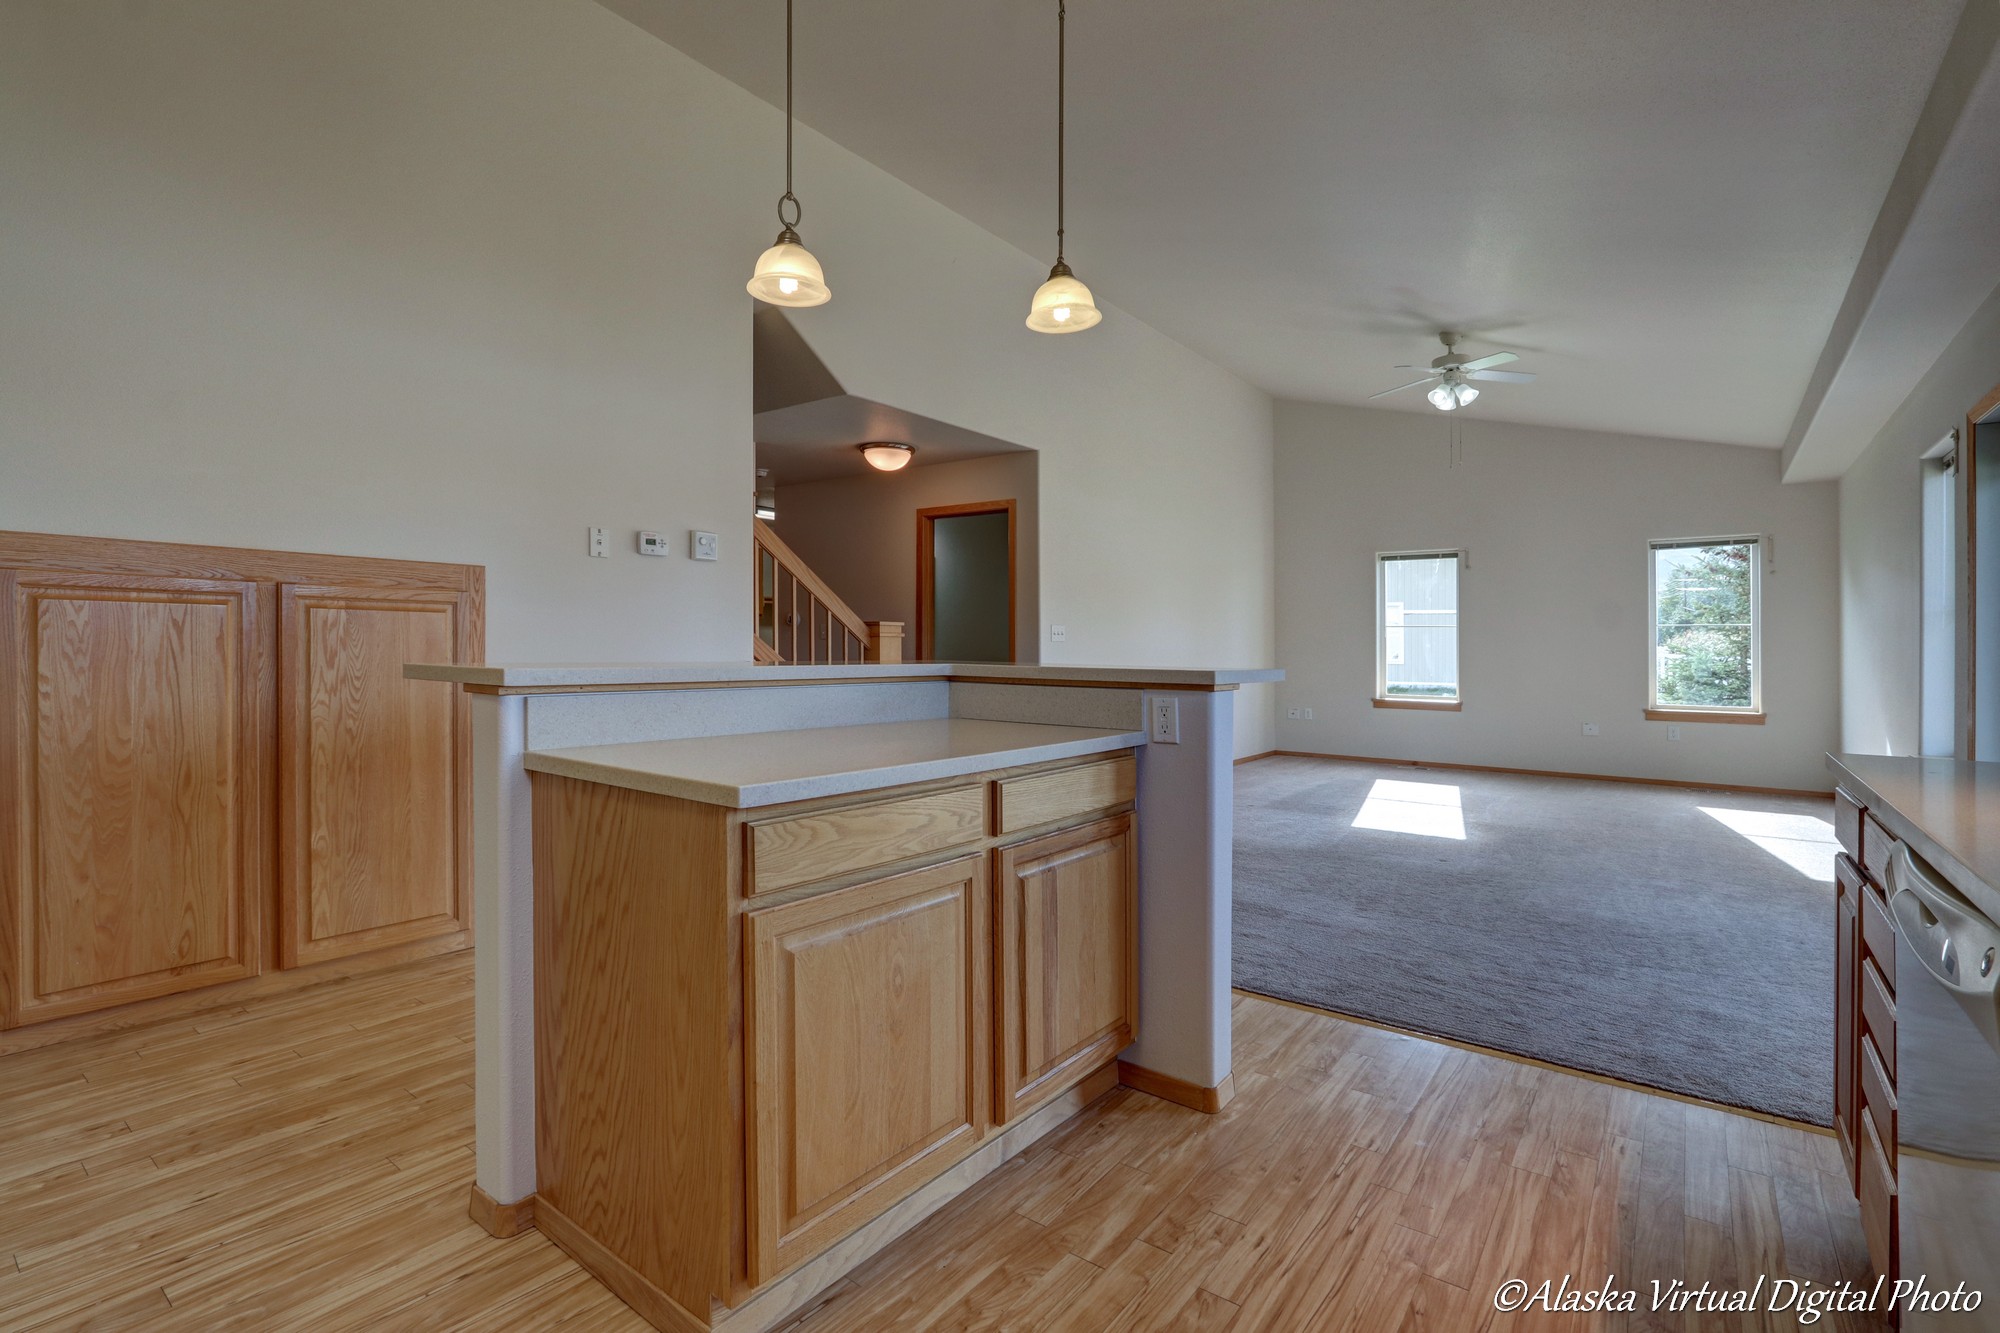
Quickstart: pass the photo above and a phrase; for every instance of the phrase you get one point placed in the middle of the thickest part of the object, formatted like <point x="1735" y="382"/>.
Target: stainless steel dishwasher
<point x="1947" y="1097"/>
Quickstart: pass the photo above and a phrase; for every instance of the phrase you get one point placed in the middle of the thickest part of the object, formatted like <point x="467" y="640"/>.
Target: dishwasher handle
<point x="1955" y="943"/>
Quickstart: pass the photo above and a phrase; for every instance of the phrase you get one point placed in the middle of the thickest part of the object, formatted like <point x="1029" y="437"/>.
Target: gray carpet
<point x="1604" y="926"/>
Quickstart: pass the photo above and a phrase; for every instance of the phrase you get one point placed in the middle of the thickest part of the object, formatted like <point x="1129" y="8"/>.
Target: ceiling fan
<point x="1452" y="373"/>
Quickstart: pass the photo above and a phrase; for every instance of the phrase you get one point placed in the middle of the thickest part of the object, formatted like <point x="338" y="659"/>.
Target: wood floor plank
<point x="302" y="1161"/>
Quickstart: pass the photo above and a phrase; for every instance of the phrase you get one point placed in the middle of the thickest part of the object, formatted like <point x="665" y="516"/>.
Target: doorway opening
<point x="966" y="582"/>
<point x="1938" y="693"/>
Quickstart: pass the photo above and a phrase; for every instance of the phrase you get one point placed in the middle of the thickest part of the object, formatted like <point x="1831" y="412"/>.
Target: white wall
<point x="454" y="280"/>
<point x="1554" y="618"/>
<point x="860" y="535"/>
<point x="1881" y="545"/>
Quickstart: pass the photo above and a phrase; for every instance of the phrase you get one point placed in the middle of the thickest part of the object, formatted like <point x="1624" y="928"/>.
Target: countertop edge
<point x="1961" y="876"/>
<point x="784" y="791"/>
<point x="668" y="675"/>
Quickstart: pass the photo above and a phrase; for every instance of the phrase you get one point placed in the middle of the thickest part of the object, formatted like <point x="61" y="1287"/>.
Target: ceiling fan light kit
<point x="1452" y="371"/>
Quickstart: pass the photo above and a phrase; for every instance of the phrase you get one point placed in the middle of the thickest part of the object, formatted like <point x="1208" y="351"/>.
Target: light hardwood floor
<point x="304" y="1162"/>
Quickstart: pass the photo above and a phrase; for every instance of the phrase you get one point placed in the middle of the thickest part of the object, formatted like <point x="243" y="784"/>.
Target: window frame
<point x="1382" y="698"/>
<point x="1669" y="712"/>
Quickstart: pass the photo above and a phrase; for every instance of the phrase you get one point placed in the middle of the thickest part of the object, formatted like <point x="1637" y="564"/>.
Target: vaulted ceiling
<point x="1661" y="206"/>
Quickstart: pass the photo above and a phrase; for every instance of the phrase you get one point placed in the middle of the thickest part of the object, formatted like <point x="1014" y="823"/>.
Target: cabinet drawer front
<point x="1878" y="1096"/>
<point x="1878" y="1014"/>
<point x="821" y="844"/>
<point x="866" y="1052"/>
<point x="1067" y="793"/>
<point x="1876" y="845"/>
<point x="1880" y="934"/>
<point x="1878" y="1202"/>
<point x="1847" y="822"/>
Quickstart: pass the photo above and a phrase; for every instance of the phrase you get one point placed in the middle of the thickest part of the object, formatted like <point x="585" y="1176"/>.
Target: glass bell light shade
<point x="787" y="274"/>
<point x="1442" y="398"/>
<point x="888" y="457"/>
<point x="1062" y="304"/>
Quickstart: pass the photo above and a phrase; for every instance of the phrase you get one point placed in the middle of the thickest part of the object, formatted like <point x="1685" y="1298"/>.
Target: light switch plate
<point x="704" y="546"/>
<point x="652" y="543"/>
<point x="1166" y="719"/>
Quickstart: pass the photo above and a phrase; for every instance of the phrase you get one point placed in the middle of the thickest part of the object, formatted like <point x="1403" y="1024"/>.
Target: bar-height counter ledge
<point x="1004" y="769"/>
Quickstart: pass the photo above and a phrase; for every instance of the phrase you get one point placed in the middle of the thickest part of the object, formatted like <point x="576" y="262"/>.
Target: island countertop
<point x="1947" y="810"/>
<point x="553" y="676"/>
<point x="773" y="767"/>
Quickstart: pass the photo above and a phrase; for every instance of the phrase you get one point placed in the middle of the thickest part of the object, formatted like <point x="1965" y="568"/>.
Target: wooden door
<point x="1846" y="1009"/>
<point x="374" y="771"/>
<point x="866" y="1049"/>
<point x="1068" y="937"/>
<point x="132" y="740"/>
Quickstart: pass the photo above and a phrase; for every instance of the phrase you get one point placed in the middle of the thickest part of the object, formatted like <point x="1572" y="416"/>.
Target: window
<point x="1416" y="629"/>
<point x="1705" y="625"/>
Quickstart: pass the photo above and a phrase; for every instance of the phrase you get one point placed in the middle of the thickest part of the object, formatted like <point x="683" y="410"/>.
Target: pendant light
<point x="1062" y="304"/>
<point x="787" y="274"/>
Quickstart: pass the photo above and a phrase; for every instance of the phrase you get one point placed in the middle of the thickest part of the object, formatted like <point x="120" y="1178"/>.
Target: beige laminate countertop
<point x="773" y="767"/>
<point x="1947" y="810"/>
<point x="671" y="675"/>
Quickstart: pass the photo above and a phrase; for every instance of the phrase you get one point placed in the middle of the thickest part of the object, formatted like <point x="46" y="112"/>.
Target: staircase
<point x="799" y="619"/>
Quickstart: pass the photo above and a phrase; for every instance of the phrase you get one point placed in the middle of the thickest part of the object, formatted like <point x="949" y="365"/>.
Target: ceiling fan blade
<point x="1502" y="376"/>
<point x="1497" y="359"/>
<point x="1400" y="387"/>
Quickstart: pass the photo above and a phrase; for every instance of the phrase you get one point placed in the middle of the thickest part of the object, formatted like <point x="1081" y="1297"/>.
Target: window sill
<point x="1704" y="715"/>
<point x="1422" y="705"/>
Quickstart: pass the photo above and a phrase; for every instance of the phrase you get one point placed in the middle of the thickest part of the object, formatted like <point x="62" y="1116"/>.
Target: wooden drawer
<point x="1878" y="1202"/>
<point x="1064" y="793"/>
<point x="1878" y="1014"/>
<point x="796" y="849"/>
<point x="1878" y="1097"/>
<point x="1847" y="821"/>
<point x="1876" y="845"/>
<point x="1879" y="934"/>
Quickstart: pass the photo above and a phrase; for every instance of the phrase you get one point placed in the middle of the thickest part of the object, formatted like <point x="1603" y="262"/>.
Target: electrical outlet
<point x="1590" y="728"/>
<point x="1166" y="720"/>
<point x="704" y="546"/>
<point x="652" y="543"/>
<point x="1673" y="731"/>
<point x="1058" y="633"/>
<point x="600" y="544"/>
<point x="1309" y="714"/>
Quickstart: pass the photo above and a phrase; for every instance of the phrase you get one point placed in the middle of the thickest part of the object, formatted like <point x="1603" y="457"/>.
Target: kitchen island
<point x="773" y="962"/>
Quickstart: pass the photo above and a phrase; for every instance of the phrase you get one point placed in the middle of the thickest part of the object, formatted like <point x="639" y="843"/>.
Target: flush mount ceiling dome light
<point x="787" y="274"/>
<point x="1062" y="304"/>
<point x="767" y="495"/>
<point x="885" y="457"/>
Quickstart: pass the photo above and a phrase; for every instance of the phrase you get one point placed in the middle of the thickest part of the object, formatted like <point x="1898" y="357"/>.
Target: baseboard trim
<point x="1253" y="758"/>
<point x="1546" y="773"/>
<point x="1178" y="1091"/>
<point x="501" y="1220"/>
<point x="1519" y="1059"/>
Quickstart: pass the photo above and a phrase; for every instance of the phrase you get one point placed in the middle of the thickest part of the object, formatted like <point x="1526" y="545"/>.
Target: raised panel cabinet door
<point x="373" y="771"/>
<point x="1067" y="930"/>
<point x="867" y="1052"/>
<point x="132" y="740"/>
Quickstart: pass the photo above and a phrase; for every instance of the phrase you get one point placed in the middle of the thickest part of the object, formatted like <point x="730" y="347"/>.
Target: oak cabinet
<point x="1846" y="1011"/>
<point x="1067" y="923"/>
<point x="373" y="787"/>
<point x="1864" y="1020"/>
<point x="768" y="1041"/>
<point x="869" y="1050"/>
<point x="136" y="789"/>
<point x="212" y="771"/>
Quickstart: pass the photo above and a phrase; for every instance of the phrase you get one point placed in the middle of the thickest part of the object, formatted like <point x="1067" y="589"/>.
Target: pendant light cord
<point x="1062" y="131"/>
<point x="797" y="212"/>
